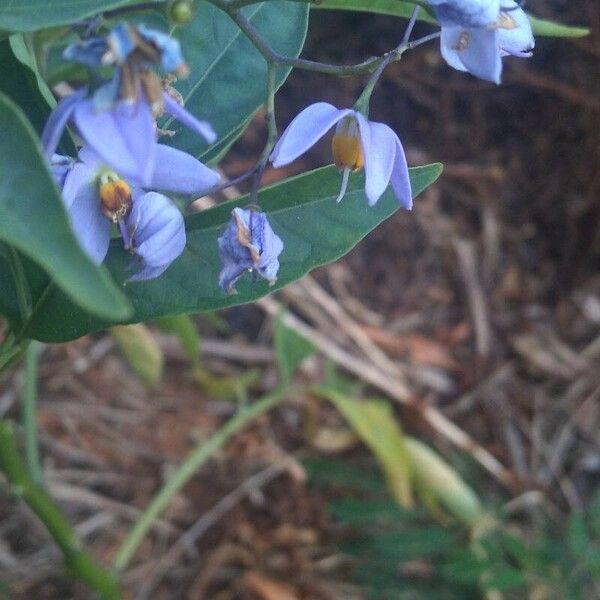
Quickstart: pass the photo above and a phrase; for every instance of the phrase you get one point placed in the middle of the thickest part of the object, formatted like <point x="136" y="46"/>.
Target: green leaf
<point x="302" y="210"/>
<point x="374" y="423"/>
<point x="185" y="329"/>
<point x="18" y="82"/>
<point x="503" y="578"/>
<point x="291" y="349"/>
<point x="228" y="76"/>
<point x="29" y="15"/>
<point x="32" y="219"/>
<point x="141" y="351"/>
<point x="544" y="28"/>
<point x="399" y="8"/>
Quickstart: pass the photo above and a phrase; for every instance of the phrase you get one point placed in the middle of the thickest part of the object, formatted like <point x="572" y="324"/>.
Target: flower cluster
<point x="113" y="183"/>
<point x="476" y="34"/>
<point x="121" y="162"/>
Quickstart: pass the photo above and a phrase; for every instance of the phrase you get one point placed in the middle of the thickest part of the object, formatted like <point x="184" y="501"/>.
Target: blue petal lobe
<point x="177" y="171"/>
<point x="158" y="233"/>
<point x="379" y="158"/>
<point x="57" y="121"/>
<point x="181" y="114"/>
<point x="91" y="227"/>
<point x="124" y="136"/>
<point x="400" y="179"/>
<point x="307" y="128"/>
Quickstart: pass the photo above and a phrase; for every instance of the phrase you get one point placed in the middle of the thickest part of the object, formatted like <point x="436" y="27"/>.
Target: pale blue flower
<point x="150" y="224"/>
<point x="118" y="119"/>
<point x="472" y="44"/>
<point x="357" y="142"/>
<point x="248" y="244"/>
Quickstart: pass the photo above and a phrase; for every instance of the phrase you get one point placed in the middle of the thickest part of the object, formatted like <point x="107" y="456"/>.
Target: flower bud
<point x="181" y="11"/>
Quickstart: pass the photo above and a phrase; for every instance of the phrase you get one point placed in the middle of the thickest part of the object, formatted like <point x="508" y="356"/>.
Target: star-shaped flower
<point x="117" y="120"/>
<point x="150" y="224"/>
<point x="357" y="143"/>
<point x="471" y="42"/>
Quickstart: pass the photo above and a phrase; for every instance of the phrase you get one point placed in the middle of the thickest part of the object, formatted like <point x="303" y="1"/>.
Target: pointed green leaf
<point x="29" y="15"/>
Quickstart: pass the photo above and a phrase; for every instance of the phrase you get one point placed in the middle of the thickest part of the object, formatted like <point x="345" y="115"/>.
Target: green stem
<point x="198" y="456"/>
<point x="299" y="63"/>
<point x="29" y="412"/>
<point x="38" y="305"/>
<point x="76" y="559"/>
<point x="11" y="352"/>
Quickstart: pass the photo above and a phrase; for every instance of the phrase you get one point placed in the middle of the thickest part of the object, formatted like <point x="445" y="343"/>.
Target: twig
<point x="275" y="58"/>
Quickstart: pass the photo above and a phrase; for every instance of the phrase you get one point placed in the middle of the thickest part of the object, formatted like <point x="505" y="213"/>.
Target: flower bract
<point x="357" y="143"/>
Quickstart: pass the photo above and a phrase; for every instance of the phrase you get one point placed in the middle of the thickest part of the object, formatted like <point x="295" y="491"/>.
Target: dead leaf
<point x="267" y="588"/>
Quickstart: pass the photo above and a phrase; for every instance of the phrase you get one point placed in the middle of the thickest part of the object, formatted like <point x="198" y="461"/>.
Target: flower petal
<point x="177" y="171"/>
<point x="91" y="227"/>
<point x="80" y="176"/>
<point x="379" y="149"/>
<point x="466" y="13"/>
<point x="60" y="166"/>
<point x="158" y="233"/>
<point x="476" y="49"/>
<point x="58" y="119"/>
<point x="181" y="114"/>
<point x="400" y="179"/>
<point x="123" y="136"/>
<point x="307" y="128"/>
<point x="171" y="58"/>
<point x="517" y="40"/>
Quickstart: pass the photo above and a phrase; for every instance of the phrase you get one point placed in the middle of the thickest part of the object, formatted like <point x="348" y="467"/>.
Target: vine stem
<point x="79" y="563"/>
<point x="197" y="457"/>
<point x="273" y="57"/>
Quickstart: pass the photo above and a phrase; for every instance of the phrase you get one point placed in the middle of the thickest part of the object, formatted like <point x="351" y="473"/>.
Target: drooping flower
<point x="118" y="118"/>
<point x="150" y="224"/>
<point x="470" y="42"/>
<point x="248" y="244"/>
<point x="357" y="143"/>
